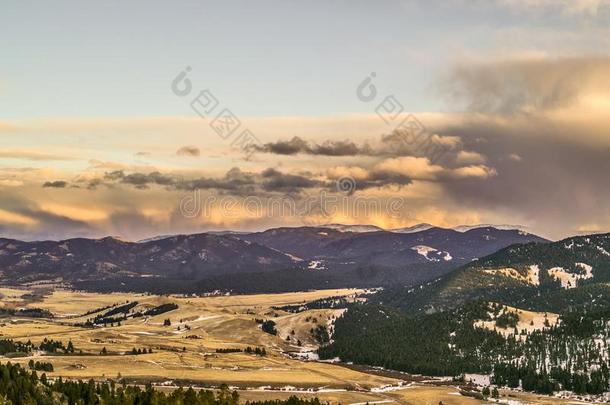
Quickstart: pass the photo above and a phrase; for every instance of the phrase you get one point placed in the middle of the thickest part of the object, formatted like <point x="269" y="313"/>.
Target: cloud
<point x="527" y="85"/>
<point x="234" y="181"/>
<point x="274" y="180"/>
<point x="465" y="157"/>
<point x="411" y="167"/>
<point x="55" y="184"/>
<point x="403" y="170"/>
<point x="10" y="183"/>
<point x="25" y="219"/>
<point x="188" y="151"/>
<point x="34" y="155"/>
<point x="297" y="145"/>
<point x="569" y="7"/>
<point x="397" y="143"/>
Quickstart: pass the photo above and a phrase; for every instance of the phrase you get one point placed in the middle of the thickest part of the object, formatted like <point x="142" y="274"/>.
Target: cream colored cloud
<point x="14" y="218"/>
<point x="475" y="171"/>
<point x="81" y="213"/>
<point x="31" y="154"/>
<point x="465" y="157"/>
<point x="10" y="183"/>
<point x="358" y="173"/>
<point x="412" y="167"/>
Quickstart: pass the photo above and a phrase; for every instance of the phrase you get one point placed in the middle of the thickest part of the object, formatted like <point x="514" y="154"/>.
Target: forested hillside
<point x="567" y="352"/>
<point x="536" y="315"/>
<point x="535" y="275"/>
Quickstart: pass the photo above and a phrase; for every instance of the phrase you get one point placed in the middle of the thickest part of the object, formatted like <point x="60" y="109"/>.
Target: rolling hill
<point x="525" y="275"/>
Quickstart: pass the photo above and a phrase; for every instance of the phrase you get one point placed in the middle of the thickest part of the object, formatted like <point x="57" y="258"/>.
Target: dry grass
<point x="217" y="322"/>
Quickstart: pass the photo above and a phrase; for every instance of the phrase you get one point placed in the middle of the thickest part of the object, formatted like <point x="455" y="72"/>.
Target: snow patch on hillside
<point x="532" y="277"/>
<point x="425" y="251"/>
<point x="316" y="265"/>
<point x="570" y="280"/>
<point x="603" y="251"/>
<point x="529" y="321"/>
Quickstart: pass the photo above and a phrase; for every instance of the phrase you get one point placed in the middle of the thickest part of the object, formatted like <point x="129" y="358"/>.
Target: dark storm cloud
<point x="551" y="154"/>
<point x="235" y="181"/>
<point x="557" y="184"/>
<point x="299" y="146"/>
<point x="55" y="184"/>
<point x="397" y="143"/>
<point x="274" y="180"/>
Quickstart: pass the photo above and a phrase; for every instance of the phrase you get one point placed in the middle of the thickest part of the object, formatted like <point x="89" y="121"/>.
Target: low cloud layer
<point x="530" y="145"/>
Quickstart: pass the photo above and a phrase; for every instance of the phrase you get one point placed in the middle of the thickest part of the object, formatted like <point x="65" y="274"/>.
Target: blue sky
<point x="264" y="58"/>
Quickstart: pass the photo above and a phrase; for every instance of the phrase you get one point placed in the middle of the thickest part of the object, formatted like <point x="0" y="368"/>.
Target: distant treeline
<point x="48" y="345"/>
<point x="322" y="303"/>
<point x="123" y="314"/>
<point x="26" y="312"/>
<point x="259" y="351"/>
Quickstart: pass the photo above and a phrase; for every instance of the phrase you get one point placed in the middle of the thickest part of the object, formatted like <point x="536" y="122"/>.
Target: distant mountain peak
<point x="352" y="228"/>
<point x="502" y="227"/>
<point x="413" y="229"/>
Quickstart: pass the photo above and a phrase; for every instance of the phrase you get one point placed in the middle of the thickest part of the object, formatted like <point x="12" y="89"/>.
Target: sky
<point x="143" y="118"/>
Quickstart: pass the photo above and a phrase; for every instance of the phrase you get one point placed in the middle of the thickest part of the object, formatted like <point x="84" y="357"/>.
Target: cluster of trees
<point x="546" y="382"/>
<point x="135" y="351"/>
<point x="259" y="351"/>
<point x="10" y="346"/>
<point x="26" y="312"/>
<point x="320" y="334"/>
<point x="113" y="317"/>
<point x="40" y="366"/>
<point x="161" y="309"/>
<point x="19" y="386"/>
<point x="47" y="345"/>
<point x="54" y="346"/>
<point x="229" y="350"/>
<point x="99" y="309"/>
<point x="120" y="313"/>
<point x="268" y="326"/>
<point x="337" y="302"/>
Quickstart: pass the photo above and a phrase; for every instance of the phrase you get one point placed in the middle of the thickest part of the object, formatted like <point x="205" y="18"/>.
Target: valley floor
<point x="184" y="344"/>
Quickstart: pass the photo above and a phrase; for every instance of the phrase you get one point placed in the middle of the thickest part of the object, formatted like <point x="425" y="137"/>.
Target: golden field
<point x="184" y="353"/>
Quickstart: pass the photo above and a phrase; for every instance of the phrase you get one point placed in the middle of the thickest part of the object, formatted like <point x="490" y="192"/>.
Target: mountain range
<point x="276" y="259"/>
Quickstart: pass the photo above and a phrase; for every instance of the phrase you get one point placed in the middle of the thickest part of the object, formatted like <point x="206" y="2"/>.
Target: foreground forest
<point x="20" y="387"/>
